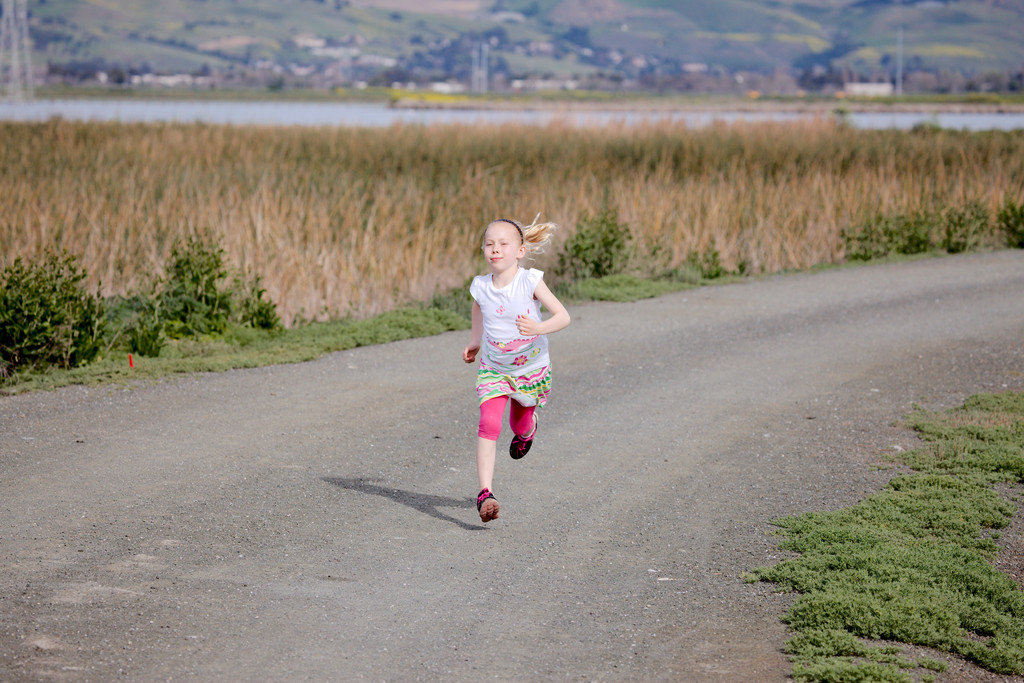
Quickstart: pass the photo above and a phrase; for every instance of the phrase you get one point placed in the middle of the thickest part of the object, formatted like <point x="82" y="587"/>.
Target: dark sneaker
<point x="520" y="445"/>
<point x="487" y="505"/>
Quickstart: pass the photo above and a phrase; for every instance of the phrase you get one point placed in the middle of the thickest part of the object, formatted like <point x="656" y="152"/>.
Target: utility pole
<point x="15" y="53"/>
<point x="485" y="60"/>
<point x="899" y="60"/>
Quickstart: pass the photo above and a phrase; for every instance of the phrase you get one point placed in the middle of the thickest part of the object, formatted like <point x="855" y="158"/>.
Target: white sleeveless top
<point x="503" y="348"/>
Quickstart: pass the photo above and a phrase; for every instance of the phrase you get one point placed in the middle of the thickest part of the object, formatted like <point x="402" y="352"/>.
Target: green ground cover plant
<point x="913" y="563"/>
<point x="243" y="347"/>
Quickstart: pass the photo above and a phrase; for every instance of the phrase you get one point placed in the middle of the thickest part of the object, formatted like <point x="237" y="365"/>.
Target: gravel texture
<point x="317" y="521"/>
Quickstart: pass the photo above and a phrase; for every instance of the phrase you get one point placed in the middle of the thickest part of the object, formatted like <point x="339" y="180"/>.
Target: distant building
<point x="868" y="89"/>
<point x="521" y="84"/>
<point x="509" y="17"/>
<point x="309" y="42"/>
<point x="447" y="88"/>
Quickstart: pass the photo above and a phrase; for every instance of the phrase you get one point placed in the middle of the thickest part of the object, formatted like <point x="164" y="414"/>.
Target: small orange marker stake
<point x="131" y="363"/>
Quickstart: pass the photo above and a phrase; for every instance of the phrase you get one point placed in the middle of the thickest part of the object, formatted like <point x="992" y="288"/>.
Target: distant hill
<point x="653" y="41"/>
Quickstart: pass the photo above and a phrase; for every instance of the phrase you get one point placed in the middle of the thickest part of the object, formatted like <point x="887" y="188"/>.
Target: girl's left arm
<point x="559" y="319"/>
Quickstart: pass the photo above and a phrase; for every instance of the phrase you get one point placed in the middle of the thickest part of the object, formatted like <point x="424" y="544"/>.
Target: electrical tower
<point x="15" y="54"/>
<point x="479" y="77"/>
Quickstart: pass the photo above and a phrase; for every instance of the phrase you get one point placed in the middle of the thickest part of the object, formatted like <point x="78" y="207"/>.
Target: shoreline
<point x="736" y="105"/>
<point x="605" y="102"/>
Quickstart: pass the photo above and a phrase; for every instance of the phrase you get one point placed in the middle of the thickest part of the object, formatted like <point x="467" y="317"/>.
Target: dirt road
<point x="316" y="521"/>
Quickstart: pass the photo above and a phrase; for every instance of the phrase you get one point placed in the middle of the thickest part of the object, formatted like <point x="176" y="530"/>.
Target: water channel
<point x="278" y="113"/>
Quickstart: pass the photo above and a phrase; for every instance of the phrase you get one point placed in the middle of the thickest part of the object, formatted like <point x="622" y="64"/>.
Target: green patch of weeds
<point x="620" y="287"/>
<point x="246" y="347"/>
<point x="957" y="229"/>
<point x="708" y="264"/>
<point x="912" y="563"/>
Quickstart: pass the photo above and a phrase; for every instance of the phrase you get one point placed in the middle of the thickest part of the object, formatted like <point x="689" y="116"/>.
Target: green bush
<point x="1011" y="221"/>
<point x="883" y="235"/>
<point x="193" y="294"/>
<point x="601" y="246"/>
<point x="252" y="310"/>
<point x="199" y="296"/>
<point x="136" y="323"/>
<point x="46" y="318"/>
<point x="912" y="233"/>
<point x="146" y="334"/>
<point x="965" y="227"/>
<point x="709" y="264"/>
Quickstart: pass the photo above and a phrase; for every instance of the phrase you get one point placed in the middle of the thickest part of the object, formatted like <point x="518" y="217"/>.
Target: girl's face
<point x="502" y="246"/>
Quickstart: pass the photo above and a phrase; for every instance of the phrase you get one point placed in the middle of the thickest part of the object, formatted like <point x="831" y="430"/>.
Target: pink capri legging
<point x="520" y="419"/>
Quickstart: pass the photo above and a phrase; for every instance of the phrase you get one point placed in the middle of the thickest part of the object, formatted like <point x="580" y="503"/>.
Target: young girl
<point x="514" y="363"/>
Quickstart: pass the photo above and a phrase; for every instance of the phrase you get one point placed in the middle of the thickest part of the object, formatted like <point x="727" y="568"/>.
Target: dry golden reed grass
<point x="345" y="221"/>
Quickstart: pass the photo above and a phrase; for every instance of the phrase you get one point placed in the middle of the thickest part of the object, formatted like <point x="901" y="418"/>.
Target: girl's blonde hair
<point x="535" y="236"/>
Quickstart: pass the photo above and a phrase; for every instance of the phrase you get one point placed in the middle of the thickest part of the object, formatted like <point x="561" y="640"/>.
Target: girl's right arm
<point x="559" y="319"/>
<point x="476" y="335"/>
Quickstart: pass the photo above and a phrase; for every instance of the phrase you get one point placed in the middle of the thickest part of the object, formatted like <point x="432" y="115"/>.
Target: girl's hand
<point x="528" y="327"/>
<point x="469" y="353"/>
<point x="559" y="316"/>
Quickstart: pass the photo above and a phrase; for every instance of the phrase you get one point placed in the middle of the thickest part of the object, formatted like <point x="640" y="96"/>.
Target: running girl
<point x="508" y="327"/>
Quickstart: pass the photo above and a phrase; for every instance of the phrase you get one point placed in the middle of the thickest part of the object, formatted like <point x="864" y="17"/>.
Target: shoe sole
<point x="489" y="510"/>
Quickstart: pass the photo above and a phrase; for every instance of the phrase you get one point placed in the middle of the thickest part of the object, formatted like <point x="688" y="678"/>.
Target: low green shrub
<point x="46" y="317"/>
<point x="135" y="322"/>
<point x="601" y="246"/>
<point x="964" y="227"/>
<point x="1011" y="221"/>
<point x="251" y="308"/>
<point x="883" y="235"/>
<point x="708" y="264"/>
<point x="199" y="296"/>
<point x="146" y="336"/>
<point x="193" y="293"/>
<point x="912" y="233"/>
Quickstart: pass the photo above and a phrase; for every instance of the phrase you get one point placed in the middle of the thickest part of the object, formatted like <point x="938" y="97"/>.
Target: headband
<point x="509" y="220"/>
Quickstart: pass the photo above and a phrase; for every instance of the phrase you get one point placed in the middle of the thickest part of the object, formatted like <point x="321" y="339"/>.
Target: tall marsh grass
<point x="353" y="222"/>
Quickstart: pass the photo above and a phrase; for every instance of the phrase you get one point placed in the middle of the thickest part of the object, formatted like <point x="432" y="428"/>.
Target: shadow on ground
<point x="426" y="503"/>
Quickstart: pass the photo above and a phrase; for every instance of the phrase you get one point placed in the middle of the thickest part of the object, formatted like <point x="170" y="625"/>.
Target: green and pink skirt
<point x="529" y="389"/>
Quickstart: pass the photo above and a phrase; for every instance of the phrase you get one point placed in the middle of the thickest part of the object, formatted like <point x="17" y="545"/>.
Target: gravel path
<point x="316" y="521"/>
